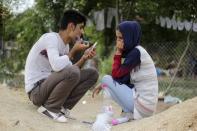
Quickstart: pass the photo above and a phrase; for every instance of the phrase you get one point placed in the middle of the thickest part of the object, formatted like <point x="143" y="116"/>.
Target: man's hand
<point x="89" y="53"/>
<point x="79" y="46"/>
<point x="96" y="90"/>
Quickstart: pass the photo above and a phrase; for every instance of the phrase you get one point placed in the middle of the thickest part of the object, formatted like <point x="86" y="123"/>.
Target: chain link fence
<point x="166" y="56"/>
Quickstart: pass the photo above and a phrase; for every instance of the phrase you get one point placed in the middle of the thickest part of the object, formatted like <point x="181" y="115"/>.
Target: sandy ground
<point x="18" y="114"/>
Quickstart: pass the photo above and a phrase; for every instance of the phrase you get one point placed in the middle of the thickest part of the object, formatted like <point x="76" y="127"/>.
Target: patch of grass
<point x="182" y="88"/>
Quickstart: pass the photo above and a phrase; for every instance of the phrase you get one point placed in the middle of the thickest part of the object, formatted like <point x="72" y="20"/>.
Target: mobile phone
<point x="94" y="46"/>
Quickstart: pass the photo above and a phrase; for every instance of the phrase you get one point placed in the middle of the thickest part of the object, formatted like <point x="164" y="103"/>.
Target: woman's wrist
<point x="118" y="52"/>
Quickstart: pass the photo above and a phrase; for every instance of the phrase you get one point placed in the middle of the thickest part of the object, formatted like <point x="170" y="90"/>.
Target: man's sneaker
<point x="59" y="117"/>
<point x="65" y="112"/>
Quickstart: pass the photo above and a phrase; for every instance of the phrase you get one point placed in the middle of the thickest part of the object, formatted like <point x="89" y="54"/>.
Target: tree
<point x="25" y="28"/>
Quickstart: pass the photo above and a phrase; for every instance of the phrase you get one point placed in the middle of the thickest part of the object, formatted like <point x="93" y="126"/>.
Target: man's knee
<point x="36" y="100"/>
<point x="93" y="74"/>
<point x="72" y="72"/>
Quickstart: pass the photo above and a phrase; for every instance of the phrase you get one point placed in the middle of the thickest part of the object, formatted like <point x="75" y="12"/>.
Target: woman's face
<point x="119" y="40"/>
<point x="119" y="36"/>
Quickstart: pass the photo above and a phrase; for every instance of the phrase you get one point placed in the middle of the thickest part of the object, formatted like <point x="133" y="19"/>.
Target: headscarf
<point x="131" y="32"/>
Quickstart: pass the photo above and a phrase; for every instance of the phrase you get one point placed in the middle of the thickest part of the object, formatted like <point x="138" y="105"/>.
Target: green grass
<point x="181" y="88"/>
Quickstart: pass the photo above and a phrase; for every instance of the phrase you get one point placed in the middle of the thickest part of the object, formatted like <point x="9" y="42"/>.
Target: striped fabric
<point x="146" y="86"/>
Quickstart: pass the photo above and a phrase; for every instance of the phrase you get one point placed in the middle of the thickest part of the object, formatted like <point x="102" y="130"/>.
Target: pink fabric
<point x="114" y="122"/>
<point x="104" y="86"/>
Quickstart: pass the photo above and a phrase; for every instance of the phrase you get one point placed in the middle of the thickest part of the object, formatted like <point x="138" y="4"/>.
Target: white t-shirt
<point x="146" y="86"/>
<point x="48" y="54"/>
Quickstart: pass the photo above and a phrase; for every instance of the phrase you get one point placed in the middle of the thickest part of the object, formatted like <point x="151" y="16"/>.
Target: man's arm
<point x="71" y="54"/>
<point x="80" y="62"/>
<point x="56" y="61"/>
<point x="88" y="54"/>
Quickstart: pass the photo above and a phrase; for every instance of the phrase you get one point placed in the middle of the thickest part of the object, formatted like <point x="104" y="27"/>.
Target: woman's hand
<point x="119" y="47"/>
<point x="96" y="90"/>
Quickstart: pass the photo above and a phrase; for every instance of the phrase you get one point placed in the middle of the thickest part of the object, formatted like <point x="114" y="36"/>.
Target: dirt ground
<point x="17" y="113"/>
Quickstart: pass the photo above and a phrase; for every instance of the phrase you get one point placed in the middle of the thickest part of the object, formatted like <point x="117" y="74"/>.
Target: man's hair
<point x="72" y="16"/>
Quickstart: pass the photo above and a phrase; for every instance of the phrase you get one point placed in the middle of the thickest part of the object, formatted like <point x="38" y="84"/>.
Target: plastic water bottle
<point x="103" y="120"/>
<point x="106" y="96"/>
<point x="102" y="123"/>
<point x="107" y="102"/>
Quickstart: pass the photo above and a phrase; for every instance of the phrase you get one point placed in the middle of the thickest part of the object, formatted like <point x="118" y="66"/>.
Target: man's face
<point x="77" y="31"/>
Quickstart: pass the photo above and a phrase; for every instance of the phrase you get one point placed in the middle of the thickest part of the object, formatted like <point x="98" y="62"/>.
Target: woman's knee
<point x="106" y="79"/>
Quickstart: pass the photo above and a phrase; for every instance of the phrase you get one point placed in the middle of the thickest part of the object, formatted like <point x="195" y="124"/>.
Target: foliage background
<point x="21" y="31"/>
